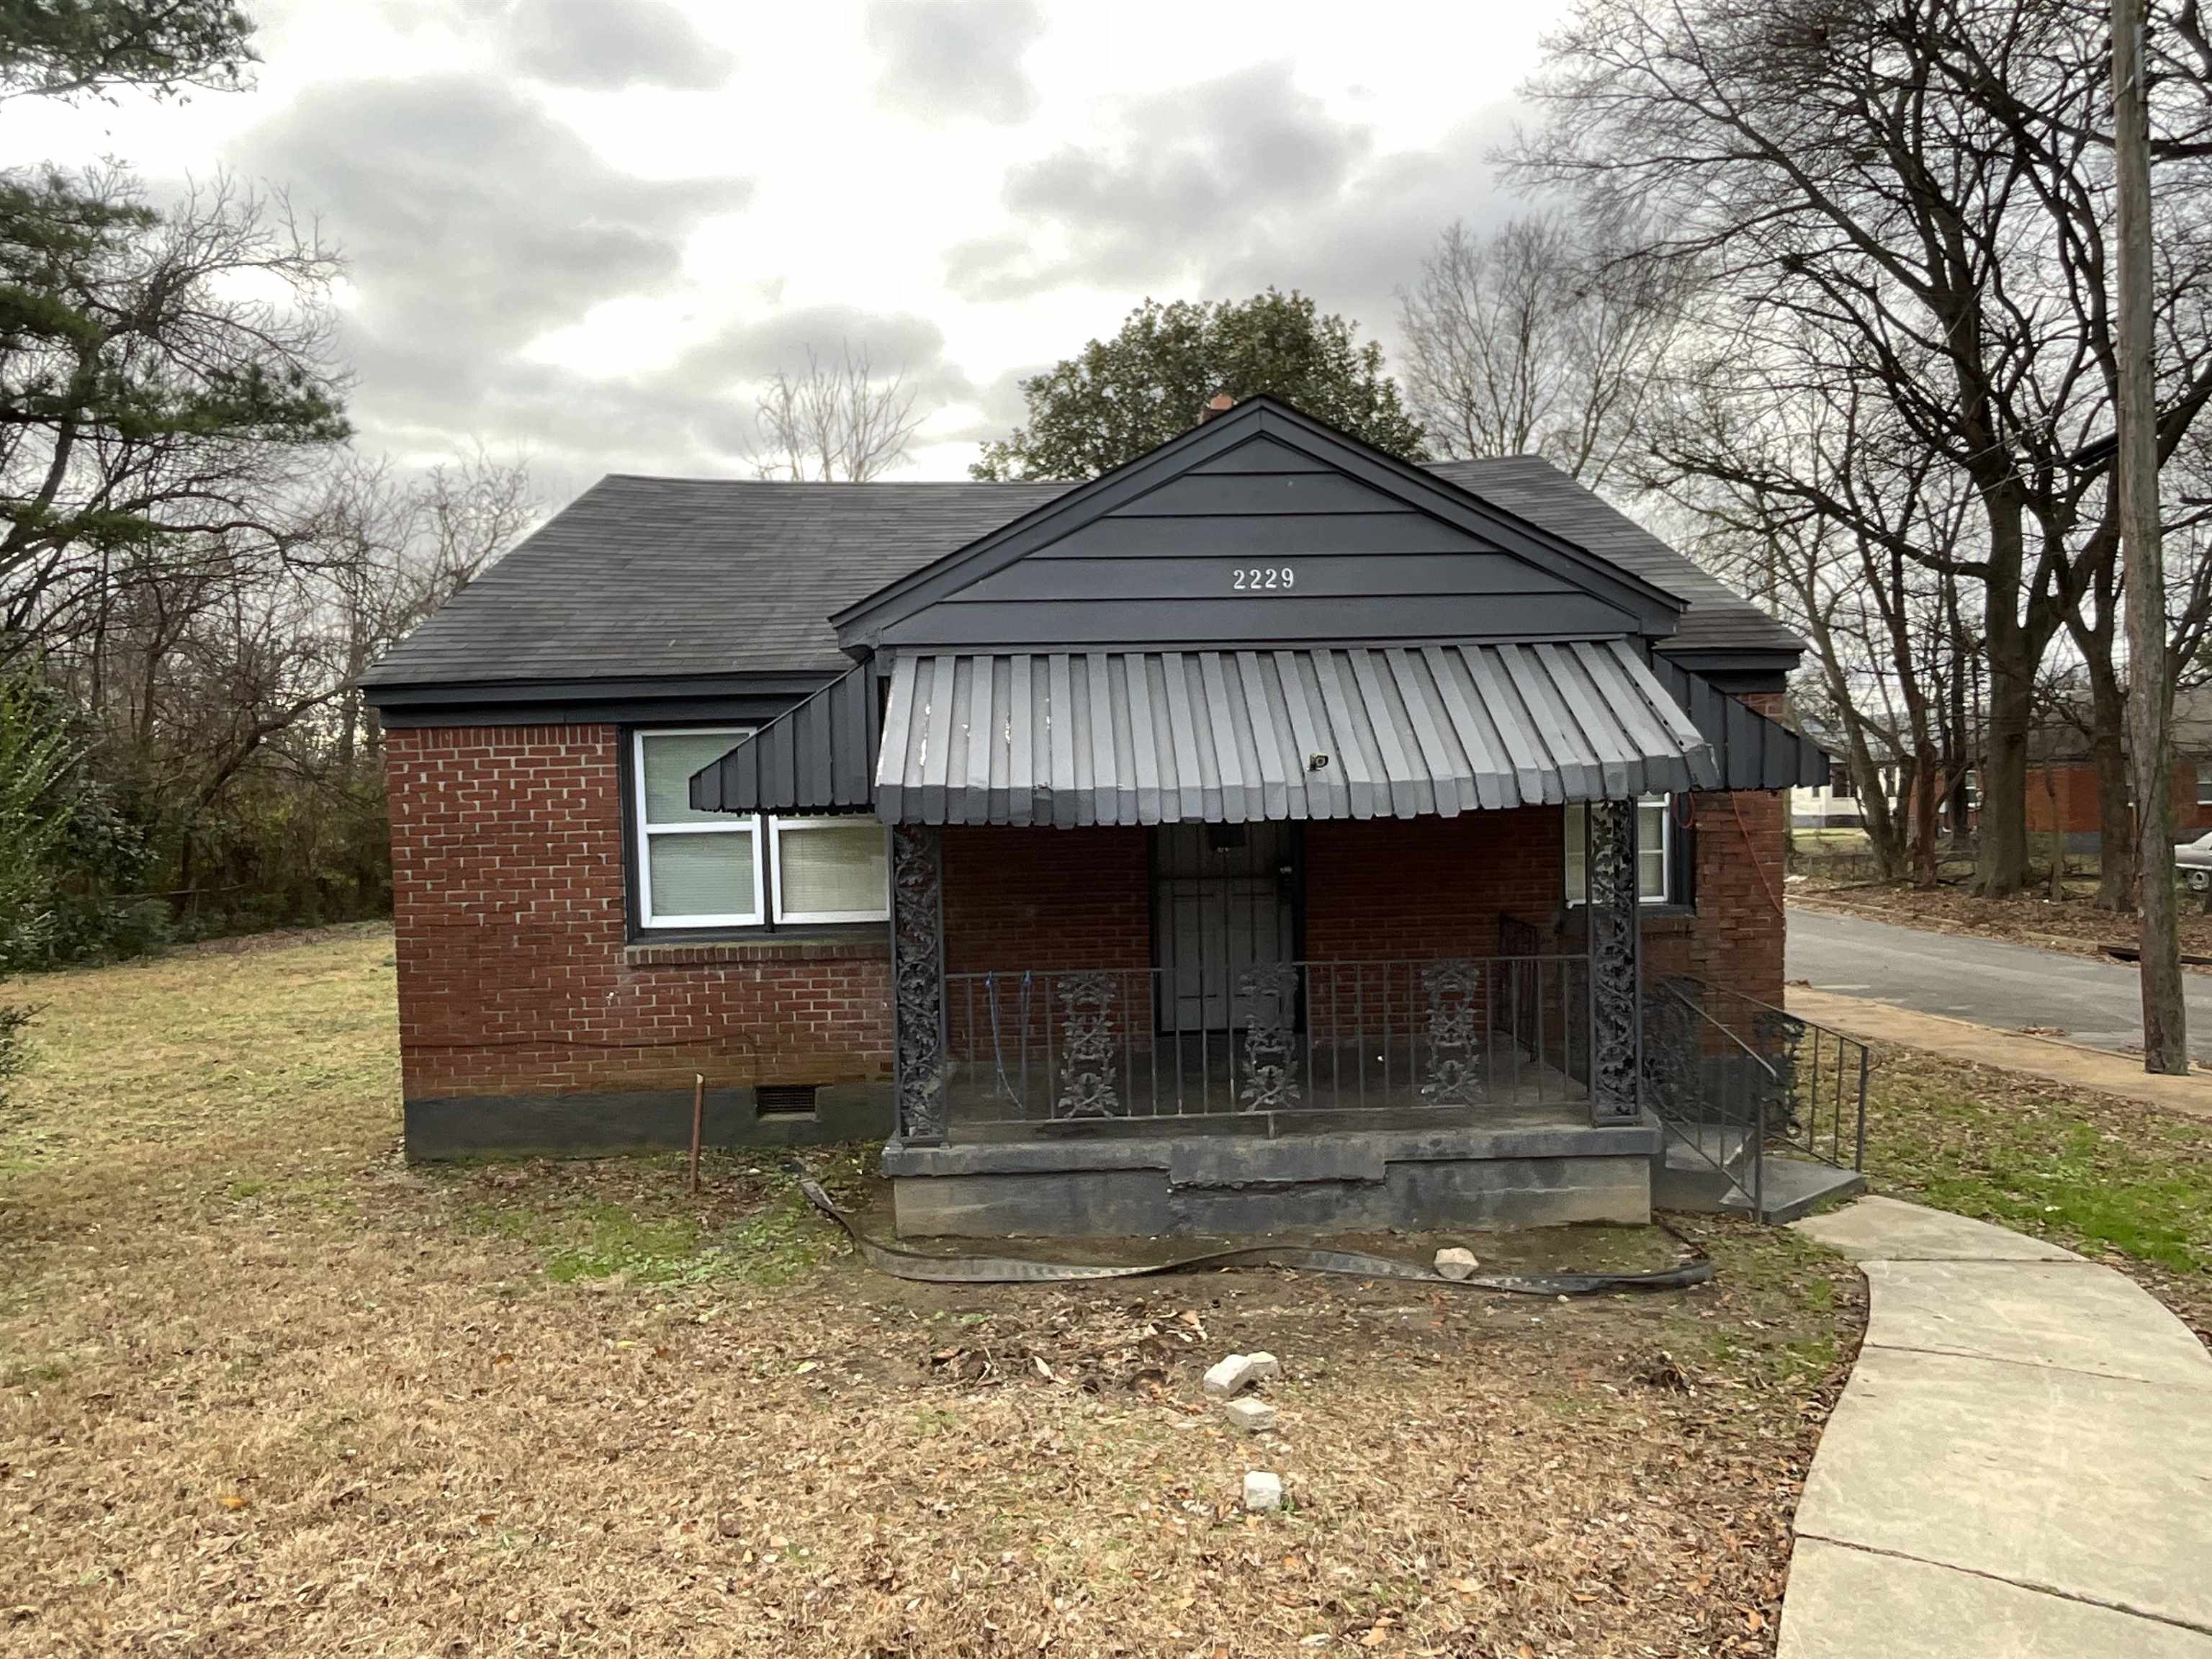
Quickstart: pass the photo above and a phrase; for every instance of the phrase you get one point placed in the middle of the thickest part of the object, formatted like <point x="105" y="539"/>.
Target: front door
<point x="1224" y="899"/>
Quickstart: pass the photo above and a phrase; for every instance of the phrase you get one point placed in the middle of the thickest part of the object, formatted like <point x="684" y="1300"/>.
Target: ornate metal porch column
<point x="1616" y="968"/>
<point x="918" y="984"/>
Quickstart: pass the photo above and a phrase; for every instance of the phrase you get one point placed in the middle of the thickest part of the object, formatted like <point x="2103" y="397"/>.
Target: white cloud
<point x="577" y="227"/>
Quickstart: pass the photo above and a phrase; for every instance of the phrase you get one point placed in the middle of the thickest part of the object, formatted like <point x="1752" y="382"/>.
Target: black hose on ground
<point x="902" y="1263"/>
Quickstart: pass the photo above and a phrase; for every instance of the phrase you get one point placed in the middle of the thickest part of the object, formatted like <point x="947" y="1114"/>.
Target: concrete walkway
<point x="2020" y="1465"/>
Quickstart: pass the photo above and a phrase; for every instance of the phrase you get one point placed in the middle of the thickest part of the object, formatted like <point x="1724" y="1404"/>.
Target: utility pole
<point x="2166" y="1035"/>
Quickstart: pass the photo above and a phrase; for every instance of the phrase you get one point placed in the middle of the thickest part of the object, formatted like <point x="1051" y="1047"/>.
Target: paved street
<point x="1984" y="981"/>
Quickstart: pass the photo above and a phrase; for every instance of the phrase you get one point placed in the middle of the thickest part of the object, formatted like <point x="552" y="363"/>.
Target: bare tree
<point x="1543" y="339"/>
<point x="836" y="419"/>
<point x="1916" y="198"/>
<point x="1757" y="470"/>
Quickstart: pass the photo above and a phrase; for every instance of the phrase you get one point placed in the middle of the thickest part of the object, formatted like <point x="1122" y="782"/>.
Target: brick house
<point x="1270" y="832"/>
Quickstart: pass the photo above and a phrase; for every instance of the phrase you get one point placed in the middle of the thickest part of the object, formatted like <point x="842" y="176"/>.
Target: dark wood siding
<point x="1205" y="556"/>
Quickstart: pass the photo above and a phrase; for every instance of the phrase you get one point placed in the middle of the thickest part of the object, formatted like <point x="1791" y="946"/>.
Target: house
<point x="2062" y="777"/>
<point x="1271" y="832"/>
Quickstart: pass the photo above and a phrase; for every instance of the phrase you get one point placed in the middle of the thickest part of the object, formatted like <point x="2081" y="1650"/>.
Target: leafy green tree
<point x="160" y="366"/>
<point x="1119" y="398"/>
<point x="72" y="48"/>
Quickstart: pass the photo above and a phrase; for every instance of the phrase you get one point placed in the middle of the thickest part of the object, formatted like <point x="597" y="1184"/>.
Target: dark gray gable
<point x="1262" y="525"/>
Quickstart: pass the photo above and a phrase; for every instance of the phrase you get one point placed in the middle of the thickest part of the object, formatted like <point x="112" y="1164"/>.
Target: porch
<point x="1445" y="1064"/>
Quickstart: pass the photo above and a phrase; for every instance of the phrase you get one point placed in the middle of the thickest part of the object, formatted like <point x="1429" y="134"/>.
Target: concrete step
<point x="1791" y="1187"/>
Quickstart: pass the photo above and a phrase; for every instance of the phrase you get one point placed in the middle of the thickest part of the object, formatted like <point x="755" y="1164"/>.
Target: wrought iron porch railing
<point x="1066" y="1049"/>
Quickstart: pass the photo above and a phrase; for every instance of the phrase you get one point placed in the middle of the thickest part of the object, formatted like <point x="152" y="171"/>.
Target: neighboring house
<point x="2062" y="779"/>
<point x="1280" y="834"/>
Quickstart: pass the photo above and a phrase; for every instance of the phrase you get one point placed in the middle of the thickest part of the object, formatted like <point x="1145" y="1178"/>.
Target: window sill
<point x="871" y="945"/>
<point x="1662" y="919"/>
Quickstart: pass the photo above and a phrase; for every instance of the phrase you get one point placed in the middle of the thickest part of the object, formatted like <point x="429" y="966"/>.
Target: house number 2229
<point x="1253" y="578"/>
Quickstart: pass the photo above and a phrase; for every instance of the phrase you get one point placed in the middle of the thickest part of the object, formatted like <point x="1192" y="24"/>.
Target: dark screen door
<point x="1225" y="900"/>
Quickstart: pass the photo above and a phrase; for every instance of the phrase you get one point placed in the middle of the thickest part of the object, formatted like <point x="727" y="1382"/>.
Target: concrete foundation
<point x="1348" y="1181"/>
<point x="591" y="1125"/>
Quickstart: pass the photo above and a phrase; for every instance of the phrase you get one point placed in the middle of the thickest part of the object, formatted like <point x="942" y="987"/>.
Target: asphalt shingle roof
<point x="645" y="577"/>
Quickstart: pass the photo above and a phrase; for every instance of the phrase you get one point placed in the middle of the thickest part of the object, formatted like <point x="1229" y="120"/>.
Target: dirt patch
<point x="268" y="1390"/>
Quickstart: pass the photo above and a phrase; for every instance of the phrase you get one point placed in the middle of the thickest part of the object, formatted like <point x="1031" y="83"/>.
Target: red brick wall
<point x="515" y="977"/>
<point x="2074" y="811"/>
<point x="1736" y="939"/>
<point x="1429" y="887"/>
<point x="508" y="905"/>
<point x="1046" y="898"/>
<point x="1742" y="838"/>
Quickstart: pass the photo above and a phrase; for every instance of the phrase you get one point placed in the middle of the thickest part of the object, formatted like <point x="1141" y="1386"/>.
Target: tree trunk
<point x="2115" y="814"/>
<point x="1927" y="796"/>
<point x="2001" y="851"/>
<point x="2165" y="1015"/>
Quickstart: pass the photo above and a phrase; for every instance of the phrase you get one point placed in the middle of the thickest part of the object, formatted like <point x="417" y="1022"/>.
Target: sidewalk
<point x="2071" y="1063"/>
<point x="2020" y="1464"/>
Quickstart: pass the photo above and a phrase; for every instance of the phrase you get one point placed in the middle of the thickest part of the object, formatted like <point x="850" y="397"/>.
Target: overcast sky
<point x="580" y="230"/>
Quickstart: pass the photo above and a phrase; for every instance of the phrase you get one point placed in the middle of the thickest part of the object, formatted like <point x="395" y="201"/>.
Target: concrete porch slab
<point x="1848" y="1604"/>
<point x="2072" y="1314"/>
<point x="2095" y="1488"/>
<point x="1886" y="1229"/>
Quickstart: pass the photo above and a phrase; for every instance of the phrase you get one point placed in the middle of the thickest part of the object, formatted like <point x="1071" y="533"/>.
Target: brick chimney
<point x="1220" y="404"/>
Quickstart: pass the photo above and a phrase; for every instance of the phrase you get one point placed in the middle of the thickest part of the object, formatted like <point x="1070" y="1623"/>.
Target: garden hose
<point x="903" y="1263"/>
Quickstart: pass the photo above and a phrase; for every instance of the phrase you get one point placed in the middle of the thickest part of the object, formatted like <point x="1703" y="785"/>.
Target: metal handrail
<point x="1754" y="1142"/>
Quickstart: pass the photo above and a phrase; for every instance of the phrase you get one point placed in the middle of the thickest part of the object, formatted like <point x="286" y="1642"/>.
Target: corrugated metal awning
<point x="1231" y="736"/>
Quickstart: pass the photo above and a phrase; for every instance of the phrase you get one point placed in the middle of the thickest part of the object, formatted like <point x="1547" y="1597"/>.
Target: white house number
<point x="1258" y="578"/>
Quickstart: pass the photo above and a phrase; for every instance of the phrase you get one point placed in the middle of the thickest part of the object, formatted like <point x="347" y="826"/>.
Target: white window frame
<point x="1666" y="893"/>
<point x="779" y="827"/>
<point x="739" y="825"/>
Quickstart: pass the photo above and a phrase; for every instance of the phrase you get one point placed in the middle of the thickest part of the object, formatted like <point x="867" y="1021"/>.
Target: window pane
<point x="670" y="761"/>
<point x="827" y="869"/>
<point x="701" y="875"/>
<point x="1652" y="850"/>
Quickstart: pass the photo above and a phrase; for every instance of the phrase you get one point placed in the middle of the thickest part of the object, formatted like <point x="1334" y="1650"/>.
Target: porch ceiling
<point x="1233" y="736"/>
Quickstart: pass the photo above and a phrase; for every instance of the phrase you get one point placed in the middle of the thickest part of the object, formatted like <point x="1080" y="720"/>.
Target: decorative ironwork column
<point x="918" y="1067"/>
<point x="1615" y="962"/>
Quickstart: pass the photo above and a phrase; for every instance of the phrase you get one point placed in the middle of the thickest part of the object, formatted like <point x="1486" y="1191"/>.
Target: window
<point x="694" y="869"/>
<point x="2204" y="786"/>
<point x="726" y="869"/>
<point x="829" y="870"/>
<point x="1654" y="852"/>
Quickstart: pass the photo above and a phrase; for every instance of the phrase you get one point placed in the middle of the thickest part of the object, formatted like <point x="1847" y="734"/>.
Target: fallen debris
<point x="1457" y="1264"/>
<point x="1263" y="1492"/>
<point x="1265" y="1367"/>
<point x="1232" y="1376"/>
<point x="1250" y="1415"/>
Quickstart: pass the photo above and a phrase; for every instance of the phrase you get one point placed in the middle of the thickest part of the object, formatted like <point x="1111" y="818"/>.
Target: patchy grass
<point x="2121" y="1181"/>
<point x="268" y="1390"/>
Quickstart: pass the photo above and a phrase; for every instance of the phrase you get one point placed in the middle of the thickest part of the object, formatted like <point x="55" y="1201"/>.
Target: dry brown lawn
<point x="264" y="1389"/>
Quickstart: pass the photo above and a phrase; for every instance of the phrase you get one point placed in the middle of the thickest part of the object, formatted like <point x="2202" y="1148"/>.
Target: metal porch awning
<point x="1233" y="737"/>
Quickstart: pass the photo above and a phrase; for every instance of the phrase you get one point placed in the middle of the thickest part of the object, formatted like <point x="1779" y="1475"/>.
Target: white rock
<point x="1230" y="1378"/>
<point x="1265" y="1367"/>
<point x="1456" y="1263"/>
<point x="1250" y="1415"/>
<point x="1263" y="1492"/>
